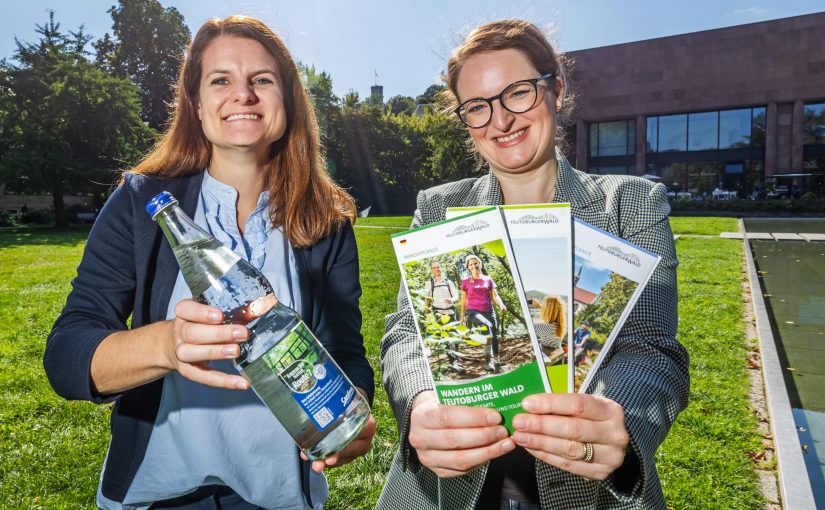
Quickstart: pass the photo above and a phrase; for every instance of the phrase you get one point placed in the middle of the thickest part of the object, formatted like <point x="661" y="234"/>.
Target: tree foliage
<point x="607" y="308"/>
<point x="147" y="45"/>
<point x="67" y="126"/>
<point x="67" y="117"/>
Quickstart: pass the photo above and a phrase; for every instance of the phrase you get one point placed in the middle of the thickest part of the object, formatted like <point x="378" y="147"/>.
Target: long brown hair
<point x="552" y="311"/>
<point x="303" y="199"/>
<point x="512" y="34"/>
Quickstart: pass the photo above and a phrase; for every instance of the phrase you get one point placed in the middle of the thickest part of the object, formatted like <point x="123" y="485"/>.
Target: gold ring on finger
<point x="588" y="453"/>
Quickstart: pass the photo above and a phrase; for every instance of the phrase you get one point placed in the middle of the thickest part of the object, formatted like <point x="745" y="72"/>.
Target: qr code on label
<point x="323" y="417"/>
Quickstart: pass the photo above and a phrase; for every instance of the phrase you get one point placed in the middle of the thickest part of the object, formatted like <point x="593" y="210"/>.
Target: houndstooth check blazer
<point x="646" y="371"/>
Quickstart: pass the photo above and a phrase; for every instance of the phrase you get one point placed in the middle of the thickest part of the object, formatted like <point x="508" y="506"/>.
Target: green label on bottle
<point x="316" y="383"/>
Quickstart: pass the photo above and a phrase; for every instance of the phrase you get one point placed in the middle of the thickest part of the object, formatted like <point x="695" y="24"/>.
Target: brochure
<point x="540" y="235"/>
<point x="610" y="274"/>
<point x="465" y="292"/>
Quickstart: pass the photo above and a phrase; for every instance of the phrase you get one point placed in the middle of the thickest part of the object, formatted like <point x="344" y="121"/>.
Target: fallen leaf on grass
<point x="756" y="456"/>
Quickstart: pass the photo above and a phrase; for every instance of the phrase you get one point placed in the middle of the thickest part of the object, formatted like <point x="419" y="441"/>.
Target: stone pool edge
<point x="794" y="485"/>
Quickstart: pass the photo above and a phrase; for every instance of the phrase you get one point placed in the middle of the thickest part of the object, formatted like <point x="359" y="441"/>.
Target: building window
<point x="672" y="133"/>
<point x="613" y="138"/>
<point x="814" y="124"/>
<point x="703" y="131"/>
<point x="734" y="128"/>
<point x="652" y="134"/>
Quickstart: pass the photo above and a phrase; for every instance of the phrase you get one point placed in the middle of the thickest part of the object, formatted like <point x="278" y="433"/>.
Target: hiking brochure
<point x="609" y="276"/>
<point x="465" y="293"/>
<point x="541" y="237"/>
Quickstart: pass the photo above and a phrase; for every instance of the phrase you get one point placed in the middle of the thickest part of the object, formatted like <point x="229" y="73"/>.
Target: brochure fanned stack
<point x="518" y="274"/>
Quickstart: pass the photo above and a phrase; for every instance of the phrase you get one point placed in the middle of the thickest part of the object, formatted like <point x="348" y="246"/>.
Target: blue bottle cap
<point x="159" y="202"/>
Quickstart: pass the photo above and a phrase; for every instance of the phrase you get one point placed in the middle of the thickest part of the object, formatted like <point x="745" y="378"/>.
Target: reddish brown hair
<point x="303" y="199"/>
<point x="511" y="34"/>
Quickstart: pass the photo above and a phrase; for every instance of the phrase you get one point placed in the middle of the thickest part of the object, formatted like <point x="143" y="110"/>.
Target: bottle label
<point x="316" y="383"/>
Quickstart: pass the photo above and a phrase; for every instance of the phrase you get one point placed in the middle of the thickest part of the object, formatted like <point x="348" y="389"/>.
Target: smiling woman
<point x="595" y="450"/>
<point x="242" y="155"/>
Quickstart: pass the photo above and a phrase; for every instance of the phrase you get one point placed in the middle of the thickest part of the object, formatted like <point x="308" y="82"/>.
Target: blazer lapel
<point x="581" y="192"/>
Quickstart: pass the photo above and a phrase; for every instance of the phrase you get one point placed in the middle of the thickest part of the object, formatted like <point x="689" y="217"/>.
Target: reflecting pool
<point x="792" y="274"/>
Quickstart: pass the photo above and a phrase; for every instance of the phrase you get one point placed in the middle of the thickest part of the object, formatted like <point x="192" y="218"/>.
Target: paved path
<point x="775" y="236"/>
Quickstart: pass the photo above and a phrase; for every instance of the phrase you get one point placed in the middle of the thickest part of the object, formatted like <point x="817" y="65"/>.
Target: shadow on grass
<point x="34" y="236"/>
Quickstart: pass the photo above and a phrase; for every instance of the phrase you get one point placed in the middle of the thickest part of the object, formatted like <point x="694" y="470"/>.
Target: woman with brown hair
<point x="242" y="155"/>
<point x="509" y="87"/>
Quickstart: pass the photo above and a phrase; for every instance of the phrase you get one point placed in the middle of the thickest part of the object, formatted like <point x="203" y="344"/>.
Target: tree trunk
<point x="60" y="219"/>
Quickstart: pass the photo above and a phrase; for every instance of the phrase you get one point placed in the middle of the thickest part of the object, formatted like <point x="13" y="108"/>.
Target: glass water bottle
<point x="283" y="361"/>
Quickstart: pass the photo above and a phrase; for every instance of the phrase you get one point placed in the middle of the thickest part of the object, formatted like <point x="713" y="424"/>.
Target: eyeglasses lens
<point x="517" y="98"/>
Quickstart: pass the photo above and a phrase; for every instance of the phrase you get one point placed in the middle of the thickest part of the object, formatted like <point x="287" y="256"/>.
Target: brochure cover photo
<point x="464" y="290"/>
<point x="610" y="274"/>
<point x="541" y="237"/>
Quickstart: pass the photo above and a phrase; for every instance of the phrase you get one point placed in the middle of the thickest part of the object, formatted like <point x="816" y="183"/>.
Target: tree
<point x="351" y="99"/>
<point x="431" y="95"/>
<point x="324" y="101"/>
<point x="68" y="125"/>
<point x="401" y="104"/>
<point x="147" y="46"/>
<point x="607" y="308"/>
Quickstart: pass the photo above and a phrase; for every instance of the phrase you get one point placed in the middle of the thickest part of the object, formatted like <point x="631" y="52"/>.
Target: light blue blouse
<point x="204" y="435"/>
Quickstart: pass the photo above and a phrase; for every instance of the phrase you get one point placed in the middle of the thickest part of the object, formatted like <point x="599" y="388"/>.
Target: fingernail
<point x="493" y="418"/>
<point x="519" y="437"/>
<point x="507" y="445"/>
<point x="214" y="315"/>
<point x="519" y="421"/>
<point x="528" y="405"/>
<point x="501" y="433"/>
<point x="229" y="350"/>
<point x="239" y="333"/>
<point x="241" y="385"/>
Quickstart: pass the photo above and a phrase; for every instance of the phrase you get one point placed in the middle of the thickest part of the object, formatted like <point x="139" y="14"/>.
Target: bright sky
<point x="408" y="43"/>
<point x="544" y="273"/>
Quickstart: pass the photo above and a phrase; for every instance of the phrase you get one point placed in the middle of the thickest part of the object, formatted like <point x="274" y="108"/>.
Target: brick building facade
<point x="738" y="109"/>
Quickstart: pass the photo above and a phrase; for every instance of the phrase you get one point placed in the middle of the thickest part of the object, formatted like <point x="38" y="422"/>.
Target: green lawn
<point x="51" y="450"/>
<point x="703" y="225"/>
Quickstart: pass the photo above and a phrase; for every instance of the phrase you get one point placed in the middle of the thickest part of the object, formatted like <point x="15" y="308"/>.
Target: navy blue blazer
<point x="128" y="269"/>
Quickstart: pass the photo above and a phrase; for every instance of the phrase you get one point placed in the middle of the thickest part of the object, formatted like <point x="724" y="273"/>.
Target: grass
<point x="708" y="225"/>
<point x="703" y="463"/>
<point x="51" y="450"/>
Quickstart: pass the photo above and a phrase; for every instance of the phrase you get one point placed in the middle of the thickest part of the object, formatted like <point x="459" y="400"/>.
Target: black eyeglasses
<point x="517" y="97"/>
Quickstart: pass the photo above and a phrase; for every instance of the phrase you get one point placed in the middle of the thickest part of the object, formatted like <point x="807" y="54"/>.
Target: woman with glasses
<point x="596" y="450"/>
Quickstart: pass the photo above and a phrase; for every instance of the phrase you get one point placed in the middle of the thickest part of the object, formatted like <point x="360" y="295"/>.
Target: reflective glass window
<point x="758" y="127"/>
<point x="613" y="138"/>
<point x="814" y="124"/>
<point x="594" y="140"/>
<point x="674" y="177"/>
<point x="703" y="129"/>
<point x="672" y="133"/>
<point x="734" y="128"/>
<point x="703" y="178"/>
<point x="652" y="134"/>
